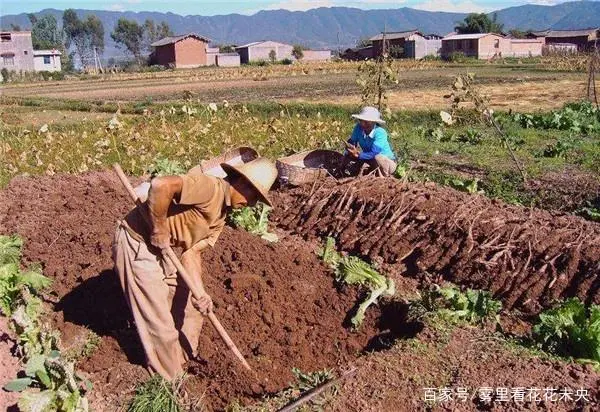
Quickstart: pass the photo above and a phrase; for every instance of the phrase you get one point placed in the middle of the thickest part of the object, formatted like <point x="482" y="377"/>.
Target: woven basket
<point x="306" y="167"/>
<point x="234" y="157"/>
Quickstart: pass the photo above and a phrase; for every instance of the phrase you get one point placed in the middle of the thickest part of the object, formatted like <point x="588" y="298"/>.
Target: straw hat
<point x="369" y="114"/>
<point x="260" y="173"/>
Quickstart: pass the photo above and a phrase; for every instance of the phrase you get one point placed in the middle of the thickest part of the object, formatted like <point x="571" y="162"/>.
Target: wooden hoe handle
<point x="169" y="255"/>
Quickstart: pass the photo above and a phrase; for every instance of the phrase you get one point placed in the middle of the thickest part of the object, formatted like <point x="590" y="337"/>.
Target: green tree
<point x="129" y="35"/>
<point x="227" y="48"/>
<point x="518" y="34"/>
<point x="15" y="27"/>
<point x="71" y="26"/>
<point x="44" y="32"/>
<point x="94" y="31"/>
<point x="84" y="35"/>
<point x="479" y="23"/>
<point x="154" y="32"/>
<point x="363" y="43"/>
<point x="272" y="56"/>
<point x="298" y="52"/>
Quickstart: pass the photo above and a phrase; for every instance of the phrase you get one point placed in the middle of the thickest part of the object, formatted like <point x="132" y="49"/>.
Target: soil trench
<point x="527" y="257"/>
<point x="278" y="302"/>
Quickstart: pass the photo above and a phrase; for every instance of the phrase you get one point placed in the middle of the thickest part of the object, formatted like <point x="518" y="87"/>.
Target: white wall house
<point x="46" y="60"/>
<point x="260" y="50"/>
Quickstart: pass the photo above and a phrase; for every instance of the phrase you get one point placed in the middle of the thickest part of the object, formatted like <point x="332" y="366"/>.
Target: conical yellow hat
<point x="260" y="173"/>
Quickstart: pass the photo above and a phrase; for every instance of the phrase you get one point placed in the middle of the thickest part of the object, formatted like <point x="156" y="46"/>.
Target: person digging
<point x="186" y="211"/>
<point x="370" y="136"/>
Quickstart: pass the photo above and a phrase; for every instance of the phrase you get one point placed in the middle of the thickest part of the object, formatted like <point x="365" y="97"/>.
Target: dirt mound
<point x="278" y="302"/>
<point x="526" y="257"/>
<point x="471" y="360"/>
<point x="566" y="191"/>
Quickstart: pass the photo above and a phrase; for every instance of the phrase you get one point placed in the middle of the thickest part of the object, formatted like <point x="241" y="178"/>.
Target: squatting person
<point x="185" y="211"/>
<point x="370" y="136"/>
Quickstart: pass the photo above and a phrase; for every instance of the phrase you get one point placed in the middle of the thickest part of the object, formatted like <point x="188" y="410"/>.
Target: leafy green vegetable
<point x="308" y="381"/>
<point x="10" y="249"/>
<point x="471" y="305"/>
<point x="18" y="385"/>
<point x="355" y="271"/>
<point x="254" y="220"/>
<point x="590" y="212"/>
<point x="466" y="185"/>
<point x="329" y="255"/>
<point x="39" y="402"/>
<point x="570" y="329"/>
<point x="53" y="379"/>
<point x="582" y="118"/>
<point x="165" y="167"/>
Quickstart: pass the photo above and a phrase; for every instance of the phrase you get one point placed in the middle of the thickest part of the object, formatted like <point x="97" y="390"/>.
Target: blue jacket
<point x="373" y="143"/>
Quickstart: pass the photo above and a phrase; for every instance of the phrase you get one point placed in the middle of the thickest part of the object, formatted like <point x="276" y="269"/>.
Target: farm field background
<point x="59" y="138"/>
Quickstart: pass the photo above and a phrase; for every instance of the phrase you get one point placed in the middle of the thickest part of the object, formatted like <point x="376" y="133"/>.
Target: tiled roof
<point x="175" y="39"/>
<point x="394" y="35"/>
<point x="564" y="33"/>
<point x="471" y="36"/>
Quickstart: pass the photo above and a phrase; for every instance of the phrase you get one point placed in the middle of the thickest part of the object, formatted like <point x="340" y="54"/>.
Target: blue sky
<point x="212" y="7"/>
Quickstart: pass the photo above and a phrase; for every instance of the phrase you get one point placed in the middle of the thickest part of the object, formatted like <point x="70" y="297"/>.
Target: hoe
<point x="169" y="255"/>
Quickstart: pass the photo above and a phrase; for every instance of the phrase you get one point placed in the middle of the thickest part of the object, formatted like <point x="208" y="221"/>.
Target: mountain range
<point x="332" y="27"/>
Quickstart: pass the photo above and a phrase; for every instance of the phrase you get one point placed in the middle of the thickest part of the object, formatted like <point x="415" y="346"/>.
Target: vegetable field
<point x="468" y="281"/>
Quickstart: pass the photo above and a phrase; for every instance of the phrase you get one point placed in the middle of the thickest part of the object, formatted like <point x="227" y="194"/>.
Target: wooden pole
<point x="308" y="395"/>
<point x="169" y="255"/>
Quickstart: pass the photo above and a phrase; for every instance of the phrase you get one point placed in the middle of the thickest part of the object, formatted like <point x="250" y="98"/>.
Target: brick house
<point x="585" y="39"/>
<point x="316" y="55"/>
<point x="488" y="45"/>
<point x="414" y="44"/>
<point x="358" y="53"/>
<point x="260" y="50"/>
<point x="181" y="52"/>
<point x="16" y="51"/>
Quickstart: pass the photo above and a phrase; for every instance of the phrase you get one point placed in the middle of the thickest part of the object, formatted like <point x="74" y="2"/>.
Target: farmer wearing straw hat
<point x="186" y="211"/>
<point x="370" y="136"/>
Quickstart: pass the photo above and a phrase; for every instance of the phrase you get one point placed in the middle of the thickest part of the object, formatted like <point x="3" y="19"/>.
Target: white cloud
<point x="465" y="6"/>
<point x="134" y="1"/>
<point x="116" y="7"/>
<point x="300" y="5"/>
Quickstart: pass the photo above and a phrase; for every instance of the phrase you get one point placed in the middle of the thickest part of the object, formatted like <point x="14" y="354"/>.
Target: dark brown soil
<point x="526" y="257"/>
<point x="464" y="358"/>
<point x="567" y="191"/>
<point x="278" y="302"/>
<point x="9" y="366"/>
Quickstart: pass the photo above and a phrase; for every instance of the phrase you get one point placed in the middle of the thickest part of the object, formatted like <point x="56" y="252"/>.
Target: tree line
<point x="79" y="40"/>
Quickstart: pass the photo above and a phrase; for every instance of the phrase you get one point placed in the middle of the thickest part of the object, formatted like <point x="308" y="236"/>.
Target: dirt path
<point x="525" y="96"/>
<point x="416" y="89"/>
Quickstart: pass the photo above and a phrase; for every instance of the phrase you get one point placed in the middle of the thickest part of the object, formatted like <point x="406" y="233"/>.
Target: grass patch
<point x="304" y="381"/>
<point x="156" y="395"/>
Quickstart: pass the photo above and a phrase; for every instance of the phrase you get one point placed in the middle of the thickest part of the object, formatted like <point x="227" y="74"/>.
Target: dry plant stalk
<point x="375" y="76"/>
<point x="464" y="90"/>
<point x="593" y="67"/>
